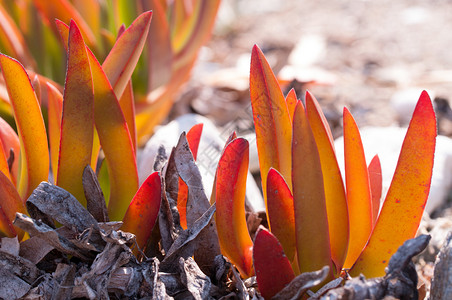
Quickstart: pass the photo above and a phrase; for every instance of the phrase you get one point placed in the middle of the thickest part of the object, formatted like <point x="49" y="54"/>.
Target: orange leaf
<point x="235" y="241"/>
<point x="311" y="220"/>
<point x="55" y="112"/>
<point x="271" y="120"/>
<point x="10" y="203"/>
<point x="273" y="270"/>
<point x="77" y="126"/>
<point x="159" y="48"/>
<point x="193" y="138"/>
<point x="128" y="108"/>
<point x="405" y="201"/>
<point x="291" y="100"/>
<point x="116" y="143"/>
<point x="10" y="141"/>
<point x="231" y="137"/>
<point x="4" y="168"/>
<point x="281" y="212"/>
<point x="187" y="44"/>
<point x="63" y="10"/>
<point x="376" y="184"/>
<point x="13" y="41"/>
<point x="34" y="151"/>
<point x="358" y="190"/>
<point x="122" y="59"/>
<point x="142" y="213"/>
<point x="336" y="202"/>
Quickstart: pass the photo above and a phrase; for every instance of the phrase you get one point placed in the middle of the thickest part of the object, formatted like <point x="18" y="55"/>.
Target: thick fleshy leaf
<point x="311" y="220"/>
<point x="114" y="137"/>
<point x="159" y="48"/>
<point x="128" y="109"/>
<point x="10" y="141"/>
<point x="142" y="213"/>
<point x="10" y="203"/>
<point x="291" y="100"/>
<point x="231" y="137"/>
<point x="13" y="41"/>
<point x="235" y="241"/>
<point x="4" y="168"/>
<point x="271" y="120"/>
<point x="122" y="59"/>
<point x="77" y="126"/>
<point x="273" y="270"/>
<point x="195" y="32"/>
<point x="116" y="143"/>
<point x="280" y="211"/>
<point x="55" y="113"/>
<point x="63" y="10"/>
<point x="405" y="201"/>
<point x="358" y="190"/>
<point x="193" y="138"/>
<point x="30" y="125"/>
<point x="376" y="184"/>
<point x="336" y="202"/>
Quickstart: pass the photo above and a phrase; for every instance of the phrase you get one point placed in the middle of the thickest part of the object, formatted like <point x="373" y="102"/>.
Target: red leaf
<point x="143" y="211"/>
<point x="273" y="270"/>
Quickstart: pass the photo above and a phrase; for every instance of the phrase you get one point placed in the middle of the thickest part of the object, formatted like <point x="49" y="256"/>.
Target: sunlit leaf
<point x="336" y="202"/>
<point x="281" y="212"/>
<point x="311" y="220"/>
<point x="10" y="141"/>
<point x="271" y="119"/>
<point x="358" y="190"/>
<point x="12" y="40"/>
<point x="55" y="112"/>
<point x="273" y="270"/>
<point x="10" y="203"/>
<point x="128" y="109"/>
<point x="405" y="201"/>
<point x="235" y="241"/>
<point x="116" y="143"/>
<point x="30" y="125"/>
<point x="64" y="11"/>
<point x="291" y="101"/>
<point x="122" y="59"/>
<point x="159" y="48"/>
<point x="77" y="126"/>
<point x="194" y="37"/>
<point x="376" y="184"/>
<point x="142" y="213"/>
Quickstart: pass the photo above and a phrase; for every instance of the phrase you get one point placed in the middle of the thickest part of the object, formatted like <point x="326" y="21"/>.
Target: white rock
<point x="387" y="142"/>
<point x="209" y="151"/>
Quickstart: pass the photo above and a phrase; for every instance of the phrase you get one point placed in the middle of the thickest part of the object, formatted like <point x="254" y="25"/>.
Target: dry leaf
<point x="95" y="200"/>
<point x="197" y="205"/>
<point x="60" y="205"/>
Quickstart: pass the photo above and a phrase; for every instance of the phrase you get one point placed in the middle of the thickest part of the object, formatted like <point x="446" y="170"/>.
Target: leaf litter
<point x="74" y="252"/>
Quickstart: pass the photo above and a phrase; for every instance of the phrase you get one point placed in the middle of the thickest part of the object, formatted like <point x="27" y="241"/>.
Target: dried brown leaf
<point x="45" y="232"/>
<point x="197" y="283"/>
<point x="95" y="200"/>
<point x="10" y="245"/>
<point x="60" y="205"/>
<point x="197" y="204"/>
<point x="185" y="244"/>
<point x="35" y="249"/>
<point x="300" y="284"/>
